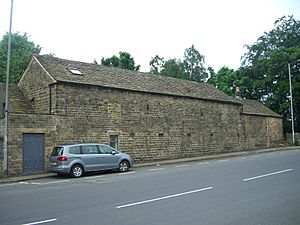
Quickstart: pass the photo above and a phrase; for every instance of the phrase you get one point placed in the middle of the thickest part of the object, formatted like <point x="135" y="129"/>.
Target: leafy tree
<point x="264" y="68"/>
<point x="22" y="50"/>
<point x="124" y="61"/>
<point x="112" y="61"/>
<point x="156" y="64"/>
<point x="225" y="80"/>
<point x="190" y="68"/>
<point x="173" y="68"/>
<point x="193" y="64"/>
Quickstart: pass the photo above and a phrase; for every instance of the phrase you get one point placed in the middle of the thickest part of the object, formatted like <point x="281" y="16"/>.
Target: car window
<point x="57" y="151"/>
<point x="74" y="150"/>
<point x="106" y="150"/>
<point x="89" y="149"/>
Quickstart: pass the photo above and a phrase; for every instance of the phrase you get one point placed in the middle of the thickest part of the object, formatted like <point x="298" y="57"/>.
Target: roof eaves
<point x="149" y="92"/>
<point x="262" y="114"/>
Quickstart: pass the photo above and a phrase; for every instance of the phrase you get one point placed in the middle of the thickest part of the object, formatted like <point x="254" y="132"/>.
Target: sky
<point x="84" y="30"/>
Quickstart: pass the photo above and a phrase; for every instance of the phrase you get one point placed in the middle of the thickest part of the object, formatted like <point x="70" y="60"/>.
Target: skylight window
<point x="74" y="71"/>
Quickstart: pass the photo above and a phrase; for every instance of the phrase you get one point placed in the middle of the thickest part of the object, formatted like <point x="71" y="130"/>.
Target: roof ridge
<point x="131" y="80"/>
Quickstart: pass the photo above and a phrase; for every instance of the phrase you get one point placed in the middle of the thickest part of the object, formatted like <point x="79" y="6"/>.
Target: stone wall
<point x="150" y="126"/>
<point x="275" y="131"/>
<point x="35" y="86"/>
<point x="261" y="131"/>
<point x="18" y="124"/>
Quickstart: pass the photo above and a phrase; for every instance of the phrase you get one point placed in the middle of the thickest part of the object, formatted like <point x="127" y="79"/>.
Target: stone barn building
<point x="151" y="117"/>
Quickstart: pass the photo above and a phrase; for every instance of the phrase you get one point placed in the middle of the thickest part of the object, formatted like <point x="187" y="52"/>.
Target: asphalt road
<point x="260" y="189"/>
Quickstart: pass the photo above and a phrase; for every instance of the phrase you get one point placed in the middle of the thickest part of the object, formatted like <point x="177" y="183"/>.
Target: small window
<point x="161" y="135"/>
<point x="74" y="150"/>
<point x="114" y="141"/>
<point x="74" y="71"/>
<point x="89" y="149"/>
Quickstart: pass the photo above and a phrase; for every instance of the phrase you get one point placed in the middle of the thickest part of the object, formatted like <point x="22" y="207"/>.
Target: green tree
<point x="156" y="64"/>
<point x="193" y="64"/>
<point x="124" y="61"/>
<point x="225" y="80"/>
<point x="173" y="68"/>
<point x="264" y="71"/>
<point x="22" y="50"/>
<point x="190" y="68"/>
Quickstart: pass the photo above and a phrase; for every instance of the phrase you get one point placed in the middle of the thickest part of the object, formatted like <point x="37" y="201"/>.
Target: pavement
<point x="162" y="162"/>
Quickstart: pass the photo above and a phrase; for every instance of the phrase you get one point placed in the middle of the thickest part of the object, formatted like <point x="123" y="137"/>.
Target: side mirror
<point x="114" y="152"/>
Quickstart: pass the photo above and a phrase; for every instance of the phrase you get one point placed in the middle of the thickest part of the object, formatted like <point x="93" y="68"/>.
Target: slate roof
<point x="253" y="107"/>
<point x="18" y="103"/>
<point x="130" y="80"/>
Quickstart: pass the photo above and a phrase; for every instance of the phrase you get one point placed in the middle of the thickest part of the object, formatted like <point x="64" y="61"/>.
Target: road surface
<point x="258" y="189"/>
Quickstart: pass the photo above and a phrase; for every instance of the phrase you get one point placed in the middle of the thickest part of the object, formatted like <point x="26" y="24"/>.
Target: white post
<point x="292" y="109"/>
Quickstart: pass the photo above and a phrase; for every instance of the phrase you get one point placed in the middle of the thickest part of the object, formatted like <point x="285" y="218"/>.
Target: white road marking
<point x="163" y="198"/>
<point x="40" y="222"/>
<point x="127" y="173"/>
<point x="52" y="182"/>
<point x="202" y="163"/>
<point x="157" y="169"/>
<point x="180" y="166"/>
<point x="23" y="182"/>
<point x="266" y="175"/>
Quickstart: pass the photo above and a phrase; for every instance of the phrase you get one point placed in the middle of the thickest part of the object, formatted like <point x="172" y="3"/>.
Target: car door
<point x="91" y="157"/>
<point x="109" y="157"/>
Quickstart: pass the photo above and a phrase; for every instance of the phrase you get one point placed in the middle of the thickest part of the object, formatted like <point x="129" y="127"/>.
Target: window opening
<point x="114" y="141"/>
<point x="74" y="70"/>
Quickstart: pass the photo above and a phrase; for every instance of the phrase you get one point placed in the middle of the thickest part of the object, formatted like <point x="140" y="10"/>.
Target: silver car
<point x="77" y="159"/>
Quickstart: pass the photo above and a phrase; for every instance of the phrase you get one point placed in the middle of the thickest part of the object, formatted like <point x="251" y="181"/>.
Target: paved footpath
<point x="163" y="162"/>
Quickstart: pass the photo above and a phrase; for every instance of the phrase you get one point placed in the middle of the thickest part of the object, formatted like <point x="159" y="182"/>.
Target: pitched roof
<point x="17" y="101"/>
<point x="253" y="107"/>
<point x="91" y="74"/>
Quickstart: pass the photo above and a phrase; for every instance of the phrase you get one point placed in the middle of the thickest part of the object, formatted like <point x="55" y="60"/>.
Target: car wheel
<point x="124" y="166"/>
<point x="77" y="171"/>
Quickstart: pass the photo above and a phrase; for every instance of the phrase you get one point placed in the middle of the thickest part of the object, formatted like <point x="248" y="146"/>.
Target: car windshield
<point x="57" y="151"/>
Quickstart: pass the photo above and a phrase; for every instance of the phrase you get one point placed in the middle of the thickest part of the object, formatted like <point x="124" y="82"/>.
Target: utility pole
<point x="291" y="96"/>
<point x="5" y="152"/>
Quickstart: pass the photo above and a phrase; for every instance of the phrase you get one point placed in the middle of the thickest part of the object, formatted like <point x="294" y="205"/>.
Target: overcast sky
<point x="85" y="30"/>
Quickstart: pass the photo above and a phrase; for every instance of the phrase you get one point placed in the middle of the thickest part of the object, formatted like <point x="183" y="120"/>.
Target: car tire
<point x="124" y="166"/>
<point x="76" y="171"/>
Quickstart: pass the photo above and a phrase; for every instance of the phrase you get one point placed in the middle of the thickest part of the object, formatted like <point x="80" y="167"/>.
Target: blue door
<point x="33" y="153"/>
